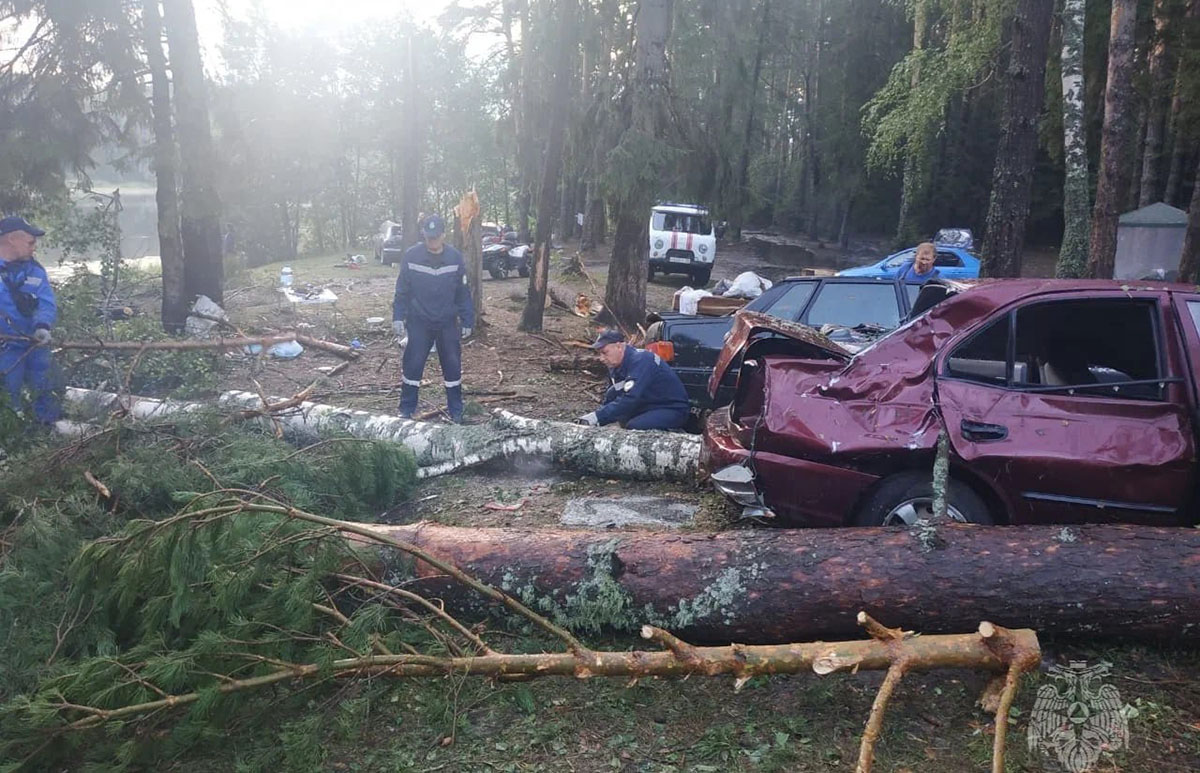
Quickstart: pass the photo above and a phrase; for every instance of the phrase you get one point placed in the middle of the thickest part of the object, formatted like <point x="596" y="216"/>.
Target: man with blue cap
<point x="432" y="307"/>
<point x="645" y="392"/>
<point x="27" y="312"/>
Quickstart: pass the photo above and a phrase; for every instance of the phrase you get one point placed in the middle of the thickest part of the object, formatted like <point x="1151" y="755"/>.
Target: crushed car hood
<point x="748" y="324"/>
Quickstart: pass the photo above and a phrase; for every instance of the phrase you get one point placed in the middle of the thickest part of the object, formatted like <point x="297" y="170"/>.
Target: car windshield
<point x="899" y="260"/>
<point x="678" y="221"/>
<point x="852" y="304"/>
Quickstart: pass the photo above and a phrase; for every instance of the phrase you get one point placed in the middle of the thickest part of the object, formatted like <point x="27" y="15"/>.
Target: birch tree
<point x="1072" y="257"/>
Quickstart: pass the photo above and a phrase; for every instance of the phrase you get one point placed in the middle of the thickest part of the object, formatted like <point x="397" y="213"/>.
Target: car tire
<point x="701" y="276"/>
<point x="496" y="273"/>
<point x="906" y="497"/>
<point x="523" y="269"/>
<point x="650" y="273"/>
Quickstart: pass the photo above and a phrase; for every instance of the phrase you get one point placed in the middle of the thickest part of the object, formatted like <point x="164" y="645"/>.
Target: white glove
<point x="398" y="328"/>
<point x="590" y="420"/>
<point x="466" y="333"/>
<point x="41" y="336"/>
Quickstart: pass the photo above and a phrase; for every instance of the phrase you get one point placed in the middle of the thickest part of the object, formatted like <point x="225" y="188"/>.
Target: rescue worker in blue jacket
<point x="27" y="312"/>
<point x="432" y="307"/>
<point x="645" y="393"/>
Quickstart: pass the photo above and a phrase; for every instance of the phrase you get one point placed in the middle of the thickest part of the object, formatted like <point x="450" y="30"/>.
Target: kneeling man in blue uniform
<point x="645" y="393"/>
<point x="27" y="312"/>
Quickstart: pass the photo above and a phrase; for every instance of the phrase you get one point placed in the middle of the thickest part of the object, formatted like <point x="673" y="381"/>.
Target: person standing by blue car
<point x="27" y="312"/>
<point x="920" y="268"/>
<point x="432" y="307"/>
<point x="645" y="393"/>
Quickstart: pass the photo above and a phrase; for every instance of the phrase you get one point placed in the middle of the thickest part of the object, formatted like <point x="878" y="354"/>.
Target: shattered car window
<point x="849" y="305"/>
<point x="983" y="357"/>
<point x="1092" y="344"/>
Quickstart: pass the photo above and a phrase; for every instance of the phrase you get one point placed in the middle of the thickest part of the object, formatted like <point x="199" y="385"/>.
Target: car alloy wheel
<point x="919" y="508"/>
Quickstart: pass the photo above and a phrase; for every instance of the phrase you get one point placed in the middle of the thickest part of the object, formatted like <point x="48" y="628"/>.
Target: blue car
<point x="951" y="263"/>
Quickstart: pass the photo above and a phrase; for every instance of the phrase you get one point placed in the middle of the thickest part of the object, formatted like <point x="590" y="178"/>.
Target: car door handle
<point x="978" y="432"/>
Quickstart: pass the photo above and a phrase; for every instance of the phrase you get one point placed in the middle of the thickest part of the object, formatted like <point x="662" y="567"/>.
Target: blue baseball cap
<point x="433" y="227"/>
<point x="607" y="337"/>
<point x="16" y="223"/>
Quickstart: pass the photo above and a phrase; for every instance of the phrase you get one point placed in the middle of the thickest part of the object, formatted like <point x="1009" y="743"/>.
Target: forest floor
<point x="774" y="724"/>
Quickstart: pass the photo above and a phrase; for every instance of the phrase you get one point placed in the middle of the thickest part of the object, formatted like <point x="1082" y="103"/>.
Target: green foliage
<point x="903" y="116"/>
<point x="124" y="598"/>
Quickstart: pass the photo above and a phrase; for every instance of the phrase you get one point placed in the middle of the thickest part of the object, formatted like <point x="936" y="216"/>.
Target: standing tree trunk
<point x="1178" y="145"/>
<point x="539" y="276"/>
<point x="200" y="207"/>
<point x="166" y="195"/>
<point x="1156" y="114"/>
<point x="1012" y="176"/>
<point x="743" y="169"/>
<point x="1189" y="263"/>
<point x="410" y="161"/>
<point x="527" y="161"/>
<point x="1116" y="141"/>
<point x="468" y="238"/>
<point x="640" y="160"/>
<point x="1072" y="257"/>
<point x="1189" y="44"/>
<point x="593" y="219"/>
<point x="915" y="161"/>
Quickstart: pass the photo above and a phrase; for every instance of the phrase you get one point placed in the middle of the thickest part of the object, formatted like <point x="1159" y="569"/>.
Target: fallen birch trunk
<point x="135" y="347"/>
<point x="444" y="448"/>
<point x="793" y="585"/>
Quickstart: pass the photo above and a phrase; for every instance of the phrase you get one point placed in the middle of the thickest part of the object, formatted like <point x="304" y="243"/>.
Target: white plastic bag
<point x="747" y="285"/>
<point x="201" y="327"/>
<point x="689" y="299"/>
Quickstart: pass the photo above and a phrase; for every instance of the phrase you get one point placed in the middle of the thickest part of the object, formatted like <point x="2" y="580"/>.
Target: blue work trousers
<point x="659" y="418"/>
<point x="421" y="340"/>
<point x="33" y="367"/>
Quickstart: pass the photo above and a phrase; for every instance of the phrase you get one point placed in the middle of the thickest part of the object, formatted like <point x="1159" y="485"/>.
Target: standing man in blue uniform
<point x="433" y="308"/>
<point x="27" y="311"/>
<point x="645" y="393"/>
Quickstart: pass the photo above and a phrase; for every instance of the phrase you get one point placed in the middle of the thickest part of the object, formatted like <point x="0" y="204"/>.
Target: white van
<point x="682" y="241"/>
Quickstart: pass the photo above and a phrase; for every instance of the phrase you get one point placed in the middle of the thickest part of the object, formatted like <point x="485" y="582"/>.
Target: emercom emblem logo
<point x="1078" y="717"/>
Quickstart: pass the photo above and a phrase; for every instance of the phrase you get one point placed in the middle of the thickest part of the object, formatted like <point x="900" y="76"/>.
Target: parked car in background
<point x="682" y="241"/>
<point x="1063" y="402"/>
<point x="389" y="243"/>
<point x="951" y="263"/>
<point x="854" y="311"/>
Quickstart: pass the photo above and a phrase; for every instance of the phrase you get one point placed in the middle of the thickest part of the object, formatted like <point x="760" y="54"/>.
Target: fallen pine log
<point x="790" y="585"/>
<point x="444" y="448"/>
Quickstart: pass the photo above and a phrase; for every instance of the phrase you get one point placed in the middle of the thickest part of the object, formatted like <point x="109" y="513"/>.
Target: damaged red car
<point x="1063" y="402"/>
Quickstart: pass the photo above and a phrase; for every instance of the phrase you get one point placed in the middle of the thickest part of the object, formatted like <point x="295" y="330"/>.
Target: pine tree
<point x="1116" y="143"/>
